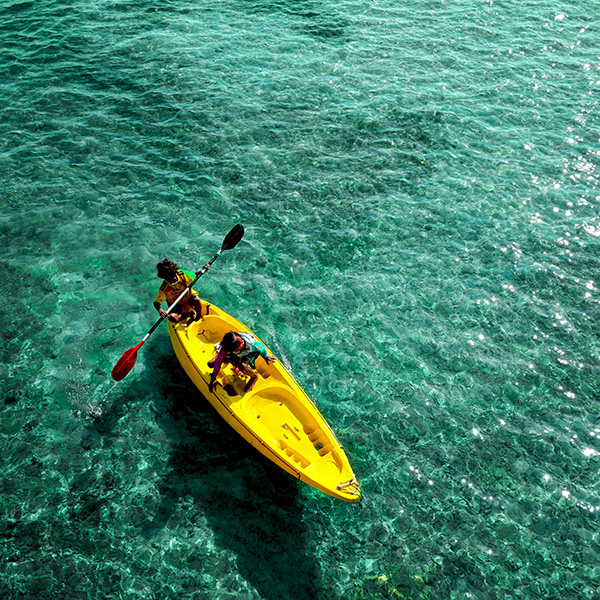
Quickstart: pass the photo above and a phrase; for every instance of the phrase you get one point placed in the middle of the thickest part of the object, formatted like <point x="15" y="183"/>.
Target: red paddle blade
<point x="125" y="364"/>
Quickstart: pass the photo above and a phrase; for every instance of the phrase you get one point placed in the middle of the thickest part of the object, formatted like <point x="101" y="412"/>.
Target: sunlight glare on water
<point x="419" y="188"/>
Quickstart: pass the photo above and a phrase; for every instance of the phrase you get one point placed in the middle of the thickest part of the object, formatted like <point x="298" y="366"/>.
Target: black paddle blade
<point x="233" y="237"/>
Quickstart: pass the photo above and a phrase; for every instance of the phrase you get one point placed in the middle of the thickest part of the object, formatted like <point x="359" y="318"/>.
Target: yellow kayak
<point x="276" y="416"/>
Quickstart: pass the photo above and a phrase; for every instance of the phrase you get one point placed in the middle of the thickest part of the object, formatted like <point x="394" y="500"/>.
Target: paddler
<point x="175" y="280"/>
<point x="241" y="350"/>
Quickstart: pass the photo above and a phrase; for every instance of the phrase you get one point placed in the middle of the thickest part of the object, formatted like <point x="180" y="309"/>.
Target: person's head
<point x="231" y="342"/>
<point x="167" y="269"/>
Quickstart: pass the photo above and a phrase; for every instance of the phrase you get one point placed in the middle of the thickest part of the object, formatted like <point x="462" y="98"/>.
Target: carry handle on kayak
<point x="126" y="362"/>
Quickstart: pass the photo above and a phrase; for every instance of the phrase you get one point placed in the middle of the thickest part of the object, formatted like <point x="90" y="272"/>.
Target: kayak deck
<point x="276" y="416"/>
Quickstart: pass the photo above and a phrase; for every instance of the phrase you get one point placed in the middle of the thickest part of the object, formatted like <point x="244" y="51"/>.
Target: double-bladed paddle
<point x="126" y="362"/>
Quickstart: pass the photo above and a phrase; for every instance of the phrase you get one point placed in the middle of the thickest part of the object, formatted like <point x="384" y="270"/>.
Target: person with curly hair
<point x="175" y="281"/>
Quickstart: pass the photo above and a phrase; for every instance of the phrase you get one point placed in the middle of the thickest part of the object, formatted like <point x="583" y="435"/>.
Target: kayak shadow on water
<point x="251" y="506"/>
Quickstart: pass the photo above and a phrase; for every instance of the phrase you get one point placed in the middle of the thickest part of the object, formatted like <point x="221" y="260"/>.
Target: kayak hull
<point x="276" y="417"/>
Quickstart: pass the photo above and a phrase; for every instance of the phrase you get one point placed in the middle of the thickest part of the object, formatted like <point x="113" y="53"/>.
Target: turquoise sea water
<point x="419" y="186"/>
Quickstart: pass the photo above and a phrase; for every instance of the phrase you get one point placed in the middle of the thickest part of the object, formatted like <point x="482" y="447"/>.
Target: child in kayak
<point x="175" y="280"/>
<point x="241" y="350"/>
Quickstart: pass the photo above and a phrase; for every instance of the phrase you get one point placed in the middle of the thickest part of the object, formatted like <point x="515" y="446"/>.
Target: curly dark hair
<point x="166" y="268"/>
<point x="229" y="341"/>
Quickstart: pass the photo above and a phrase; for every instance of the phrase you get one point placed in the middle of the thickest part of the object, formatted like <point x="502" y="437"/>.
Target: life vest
<point x="171" y="291"/>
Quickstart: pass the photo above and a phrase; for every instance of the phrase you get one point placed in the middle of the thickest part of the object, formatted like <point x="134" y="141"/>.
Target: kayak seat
<point x="211" y="329"/>
<point x="274" y="399"/>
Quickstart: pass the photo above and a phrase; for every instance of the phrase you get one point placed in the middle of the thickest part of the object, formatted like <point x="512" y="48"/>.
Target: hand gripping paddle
<point x="126" y="362"/>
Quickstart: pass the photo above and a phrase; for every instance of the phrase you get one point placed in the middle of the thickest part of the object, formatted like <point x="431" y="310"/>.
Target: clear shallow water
<point x="419" y="186"/>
